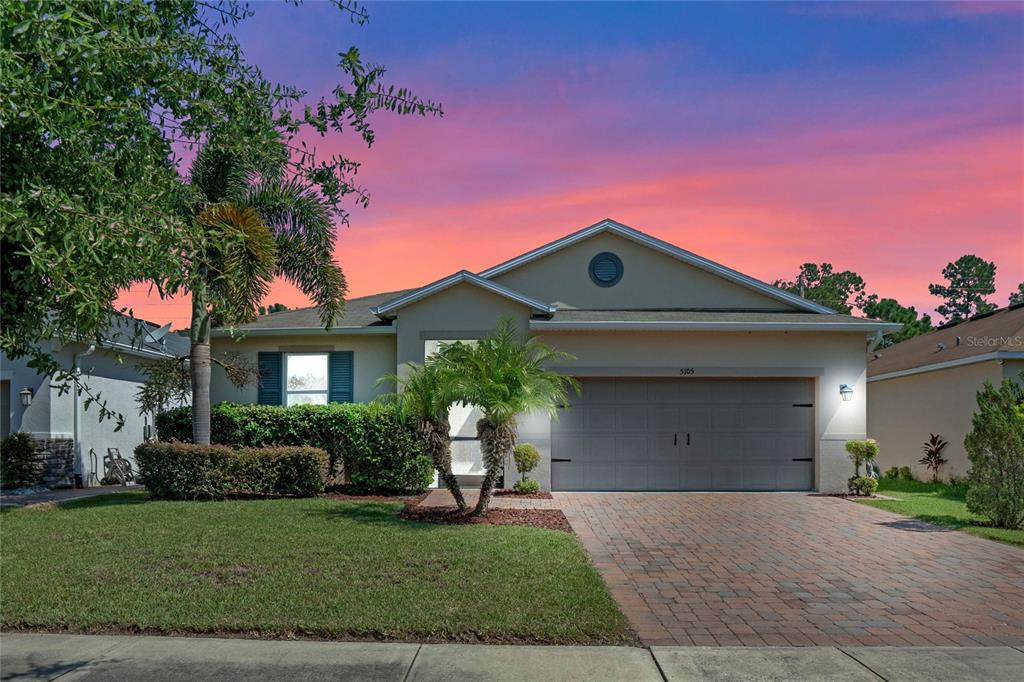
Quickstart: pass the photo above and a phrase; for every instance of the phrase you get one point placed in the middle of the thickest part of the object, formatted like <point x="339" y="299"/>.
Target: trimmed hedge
<point x="371" y="446"/>
<point x="19" y="466"/>
<point x="181" y="471"/>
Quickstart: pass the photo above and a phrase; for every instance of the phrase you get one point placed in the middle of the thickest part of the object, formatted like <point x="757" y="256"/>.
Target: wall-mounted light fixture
<point x="26" y="396"/>
<point x="846" y="392"/>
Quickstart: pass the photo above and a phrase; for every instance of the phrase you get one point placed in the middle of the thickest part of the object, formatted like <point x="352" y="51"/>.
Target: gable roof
<point x="989" y="336"/>
<point x="357" y="318"/>
<point x="385" y="310"/>
<point x="617" y="228"/>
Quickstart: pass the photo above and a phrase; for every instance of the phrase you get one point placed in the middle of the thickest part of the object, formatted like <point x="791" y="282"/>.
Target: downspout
<point x="76" y="435"/>
<point x="875" y="341"/>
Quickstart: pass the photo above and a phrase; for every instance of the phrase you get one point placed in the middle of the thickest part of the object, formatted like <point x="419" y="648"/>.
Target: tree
<point x="95" y="97"/>
<point x="890" y="310"/>
<point x="1017" y="297"/>
<point x="969" y="279"/>
<point x="503" y="376"/>
<point x="840" y="291"/>
<point x="426" y="395"/>
<point x="995" y="448"/>
<point x="272" y="308"/>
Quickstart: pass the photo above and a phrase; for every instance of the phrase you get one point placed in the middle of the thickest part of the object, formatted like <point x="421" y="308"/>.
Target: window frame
<point x="285" y="391"/>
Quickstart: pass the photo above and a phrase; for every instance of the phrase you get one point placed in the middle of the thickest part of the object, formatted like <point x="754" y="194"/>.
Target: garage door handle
<point x="556" y="459"/>
<point x="687" y="439"/>
<point x="803" y="459"/>
<point x="675" y="439"/>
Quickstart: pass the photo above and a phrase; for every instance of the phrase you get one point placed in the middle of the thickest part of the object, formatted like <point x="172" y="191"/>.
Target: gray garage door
<point x="686" y="434"/>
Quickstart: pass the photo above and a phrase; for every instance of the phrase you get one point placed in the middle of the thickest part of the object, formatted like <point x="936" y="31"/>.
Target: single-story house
<point x="70" y="439"/>
<point x="928" y="384"/>
<point x="694" y="376"/>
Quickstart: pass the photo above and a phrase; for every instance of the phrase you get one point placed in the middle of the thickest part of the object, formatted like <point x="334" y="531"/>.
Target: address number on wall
<point x="685" y="371"/>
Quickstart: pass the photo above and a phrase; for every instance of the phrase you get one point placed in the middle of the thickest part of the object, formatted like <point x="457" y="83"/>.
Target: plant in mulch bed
<point x="933" y="458"/>
<point x="550" y="519"/>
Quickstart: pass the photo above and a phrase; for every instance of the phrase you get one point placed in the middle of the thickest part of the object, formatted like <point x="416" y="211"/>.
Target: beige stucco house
<point x="928" y="385"/>
<point x="694" y="376"/>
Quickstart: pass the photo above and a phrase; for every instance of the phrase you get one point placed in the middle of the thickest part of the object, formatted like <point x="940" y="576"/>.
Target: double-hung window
<point x="306" y="378"/>
<point x="309" y="378"/>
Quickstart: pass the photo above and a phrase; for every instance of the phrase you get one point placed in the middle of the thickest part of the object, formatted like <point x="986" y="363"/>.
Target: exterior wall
<point x="650" y="279"/>
<point x="373" y="356"/>
<point x="902" y="412"/>
<point x="1012" y="369"/>
<point x="51" y="416"/>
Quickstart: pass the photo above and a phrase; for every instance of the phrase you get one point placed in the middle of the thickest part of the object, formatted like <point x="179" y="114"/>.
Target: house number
<point x="686" y="371"/>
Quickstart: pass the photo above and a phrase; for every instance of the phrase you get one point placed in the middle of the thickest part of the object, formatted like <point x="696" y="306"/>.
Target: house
<point x="70" y="438"/>
<point x="694" y="376"/>
<point x="928" y="385"/>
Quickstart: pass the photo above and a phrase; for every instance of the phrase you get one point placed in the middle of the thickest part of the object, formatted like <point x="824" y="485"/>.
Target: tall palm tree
<point x="250" y="225"/>
<point x="426" y="395"/>
<point x="504" y="375"/>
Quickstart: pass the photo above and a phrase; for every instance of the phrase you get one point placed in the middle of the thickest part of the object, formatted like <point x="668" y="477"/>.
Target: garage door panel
<point x="632" y="435"/>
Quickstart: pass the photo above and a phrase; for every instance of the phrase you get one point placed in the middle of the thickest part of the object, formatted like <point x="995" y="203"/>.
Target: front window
<point x="306" y="379"/>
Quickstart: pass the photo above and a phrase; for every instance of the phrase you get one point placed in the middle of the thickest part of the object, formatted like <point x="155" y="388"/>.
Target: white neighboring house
<point x="70" y="439"/>
<point x="694" y="376"/>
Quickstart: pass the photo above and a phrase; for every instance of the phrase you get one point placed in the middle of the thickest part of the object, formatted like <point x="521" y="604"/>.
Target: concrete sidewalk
<point x="87" y="657"/>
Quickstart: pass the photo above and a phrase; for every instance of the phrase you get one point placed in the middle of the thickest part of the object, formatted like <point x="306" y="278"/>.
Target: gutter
<point x="721" y="325"/>
<point x="998" y="355"/>
<point x="379" y="330"/>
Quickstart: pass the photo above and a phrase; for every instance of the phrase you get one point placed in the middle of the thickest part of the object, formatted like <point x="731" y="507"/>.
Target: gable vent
<point x="605" y="269"/>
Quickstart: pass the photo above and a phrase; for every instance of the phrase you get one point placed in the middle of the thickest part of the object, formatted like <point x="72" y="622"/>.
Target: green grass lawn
<point x="939" y="504"/>
<point x="313" y="567"/>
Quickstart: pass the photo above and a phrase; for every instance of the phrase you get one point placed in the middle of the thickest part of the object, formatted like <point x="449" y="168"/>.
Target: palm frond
<point x="220" y="174"/>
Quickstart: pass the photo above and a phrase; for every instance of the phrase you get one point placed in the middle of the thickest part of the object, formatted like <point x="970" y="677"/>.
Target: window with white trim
<point x="306" y="380"/>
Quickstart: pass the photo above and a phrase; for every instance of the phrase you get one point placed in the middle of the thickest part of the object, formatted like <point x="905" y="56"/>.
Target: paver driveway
<point x="796" y="569"/>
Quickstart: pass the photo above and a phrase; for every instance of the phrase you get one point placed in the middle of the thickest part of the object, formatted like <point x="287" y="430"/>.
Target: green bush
<point x="526" y="486"/>
<point x="995" y="447"/>
<point x="527" y="457"/>
<point x="906" y="474"/>
<point x="181" y="471"/>
<point x="372" y="447"/>
<point x="19" y="467"/>
<point x="892" y="472"/>
<point x="861" y="452"/>
<point x="899" y="474"/>
<point x="863" y="485"/>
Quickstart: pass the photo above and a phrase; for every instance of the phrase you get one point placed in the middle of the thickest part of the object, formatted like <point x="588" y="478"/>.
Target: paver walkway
<point x="796" y="569"/>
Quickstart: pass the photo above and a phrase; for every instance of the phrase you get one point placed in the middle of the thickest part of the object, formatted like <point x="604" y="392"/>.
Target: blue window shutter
<point x="270" y="379"/>
<point x="339" y="380"/>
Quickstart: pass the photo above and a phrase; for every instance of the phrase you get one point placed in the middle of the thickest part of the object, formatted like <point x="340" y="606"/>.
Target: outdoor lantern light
<point x="26" y="396"/>
<point x="846" y="391"/>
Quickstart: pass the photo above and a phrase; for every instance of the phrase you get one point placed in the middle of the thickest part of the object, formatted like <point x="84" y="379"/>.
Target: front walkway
<point x="782" y="569"/>
<point x="84" y="657"/>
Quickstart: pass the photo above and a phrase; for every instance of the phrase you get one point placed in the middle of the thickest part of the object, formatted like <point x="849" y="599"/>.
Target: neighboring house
<point x="70" y="438"/>
<point x="694" y="376"/>
<point x="928" y="384"/>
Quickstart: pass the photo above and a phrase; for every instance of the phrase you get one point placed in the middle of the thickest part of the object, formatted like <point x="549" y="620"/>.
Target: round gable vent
<point x="606" y="269"/>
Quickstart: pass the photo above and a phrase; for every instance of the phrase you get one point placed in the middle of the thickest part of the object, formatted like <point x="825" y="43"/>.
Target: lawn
<point x="312" y="567"/>
<point x="939" y="504"/>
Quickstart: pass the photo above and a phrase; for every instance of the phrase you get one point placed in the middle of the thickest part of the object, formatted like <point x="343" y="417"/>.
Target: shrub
<point x="933" y="458"/>
<point x="181" y="471"/>
<point x="863" y="485"/>
<point x="861" y="452"/>
<point x="995" y="447"/>
<point x="372" y="446"/>
<point x="526" y="486"/>
<point x="906" y="474"/>
<point x="526" y="457"/>
<point x="892" y="472"/>
<point x="19" y="467"/>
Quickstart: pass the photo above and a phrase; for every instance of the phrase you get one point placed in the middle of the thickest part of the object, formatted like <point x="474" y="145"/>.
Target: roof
<point x="385" y="310"/>
<point x="614" y="227"/>
<point x="982" y="337"/>
<point x="719" y="320"/>
<point x="356" y="317"/>
<point x="141" y="337"/>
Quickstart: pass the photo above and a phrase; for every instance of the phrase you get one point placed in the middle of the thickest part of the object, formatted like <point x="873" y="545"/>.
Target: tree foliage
<point x="840" y="291"/>
<point x="1017" y="297"/>
<point x="890" y="310"/>
<point x="969" y="280"/>
<point x="272" y="308"/>
<point x="995" y="448"/>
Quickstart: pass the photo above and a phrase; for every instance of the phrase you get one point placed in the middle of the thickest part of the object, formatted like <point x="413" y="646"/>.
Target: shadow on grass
<point x="381" y="513"/>
<point x="927" y="524"/>
<point x="111" y="500"/>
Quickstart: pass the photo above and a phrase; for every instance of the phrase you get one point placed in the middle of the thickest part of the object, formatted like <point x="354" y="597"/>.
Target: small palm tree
<point x="426" y="395"/>
<point x="503" y="375"/>
<point x="250" y="224"/>
<point x="933" y="458"/>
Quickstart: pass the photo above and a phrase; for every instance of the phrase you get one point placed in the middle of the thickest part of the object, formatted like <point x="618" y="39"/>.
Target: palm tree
<point x="250" y="225"/>
<point x="426" y="395"/>
<point x="503" y="375"/>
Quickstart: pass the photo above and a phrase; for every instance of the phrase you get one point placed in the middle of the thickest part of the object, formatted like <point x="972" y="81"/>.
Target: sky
<point x="887" y="139"/>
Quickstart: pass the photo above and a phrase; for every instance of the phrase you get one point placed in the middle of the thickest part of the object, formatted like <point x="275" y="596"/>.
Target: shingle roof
<point x="135" y="334"/>
<point x="573" y="315"/>
<point x="357" y="314"/>
<point x="1002" y="330"/>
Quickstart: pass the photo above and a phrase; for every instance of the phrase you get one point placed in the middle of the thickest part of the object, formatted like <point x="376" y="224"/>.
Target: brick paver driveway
<point x="796" y="569"/>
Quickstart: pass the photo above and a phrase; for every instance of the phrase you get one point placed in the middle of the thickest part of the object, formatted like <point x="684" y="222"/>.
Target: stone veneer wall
<point x="56" y="460"/>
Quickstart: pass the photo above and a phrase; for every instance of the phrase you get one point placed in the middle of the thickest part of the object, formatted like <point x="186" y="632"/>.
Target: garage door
<point x="673" y="434"/>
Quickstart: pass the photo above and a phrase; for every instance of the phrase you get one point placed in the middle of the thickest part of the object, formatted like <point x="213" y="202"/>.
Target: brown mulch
<point x="551" y="519"/>
<point x="509" y="492"/>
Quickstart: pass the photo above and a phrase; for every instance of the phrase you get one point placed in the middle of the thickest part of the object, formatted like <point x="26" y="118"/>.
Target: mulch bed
<point x="508" y="492"/>
<point x="551" y="519"/>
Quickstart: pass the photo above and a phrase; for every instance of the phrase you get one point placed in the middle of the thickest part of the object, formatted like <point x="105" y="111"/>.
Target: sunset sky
<point x="886" y="139"/>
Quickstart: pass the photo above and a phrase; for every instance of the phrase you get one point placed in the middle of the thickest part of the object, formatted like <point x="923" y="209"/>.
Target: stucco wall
<point x="902" y="412"/>
<point x="650" y="279"/>
<point x="373" y="357"/>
